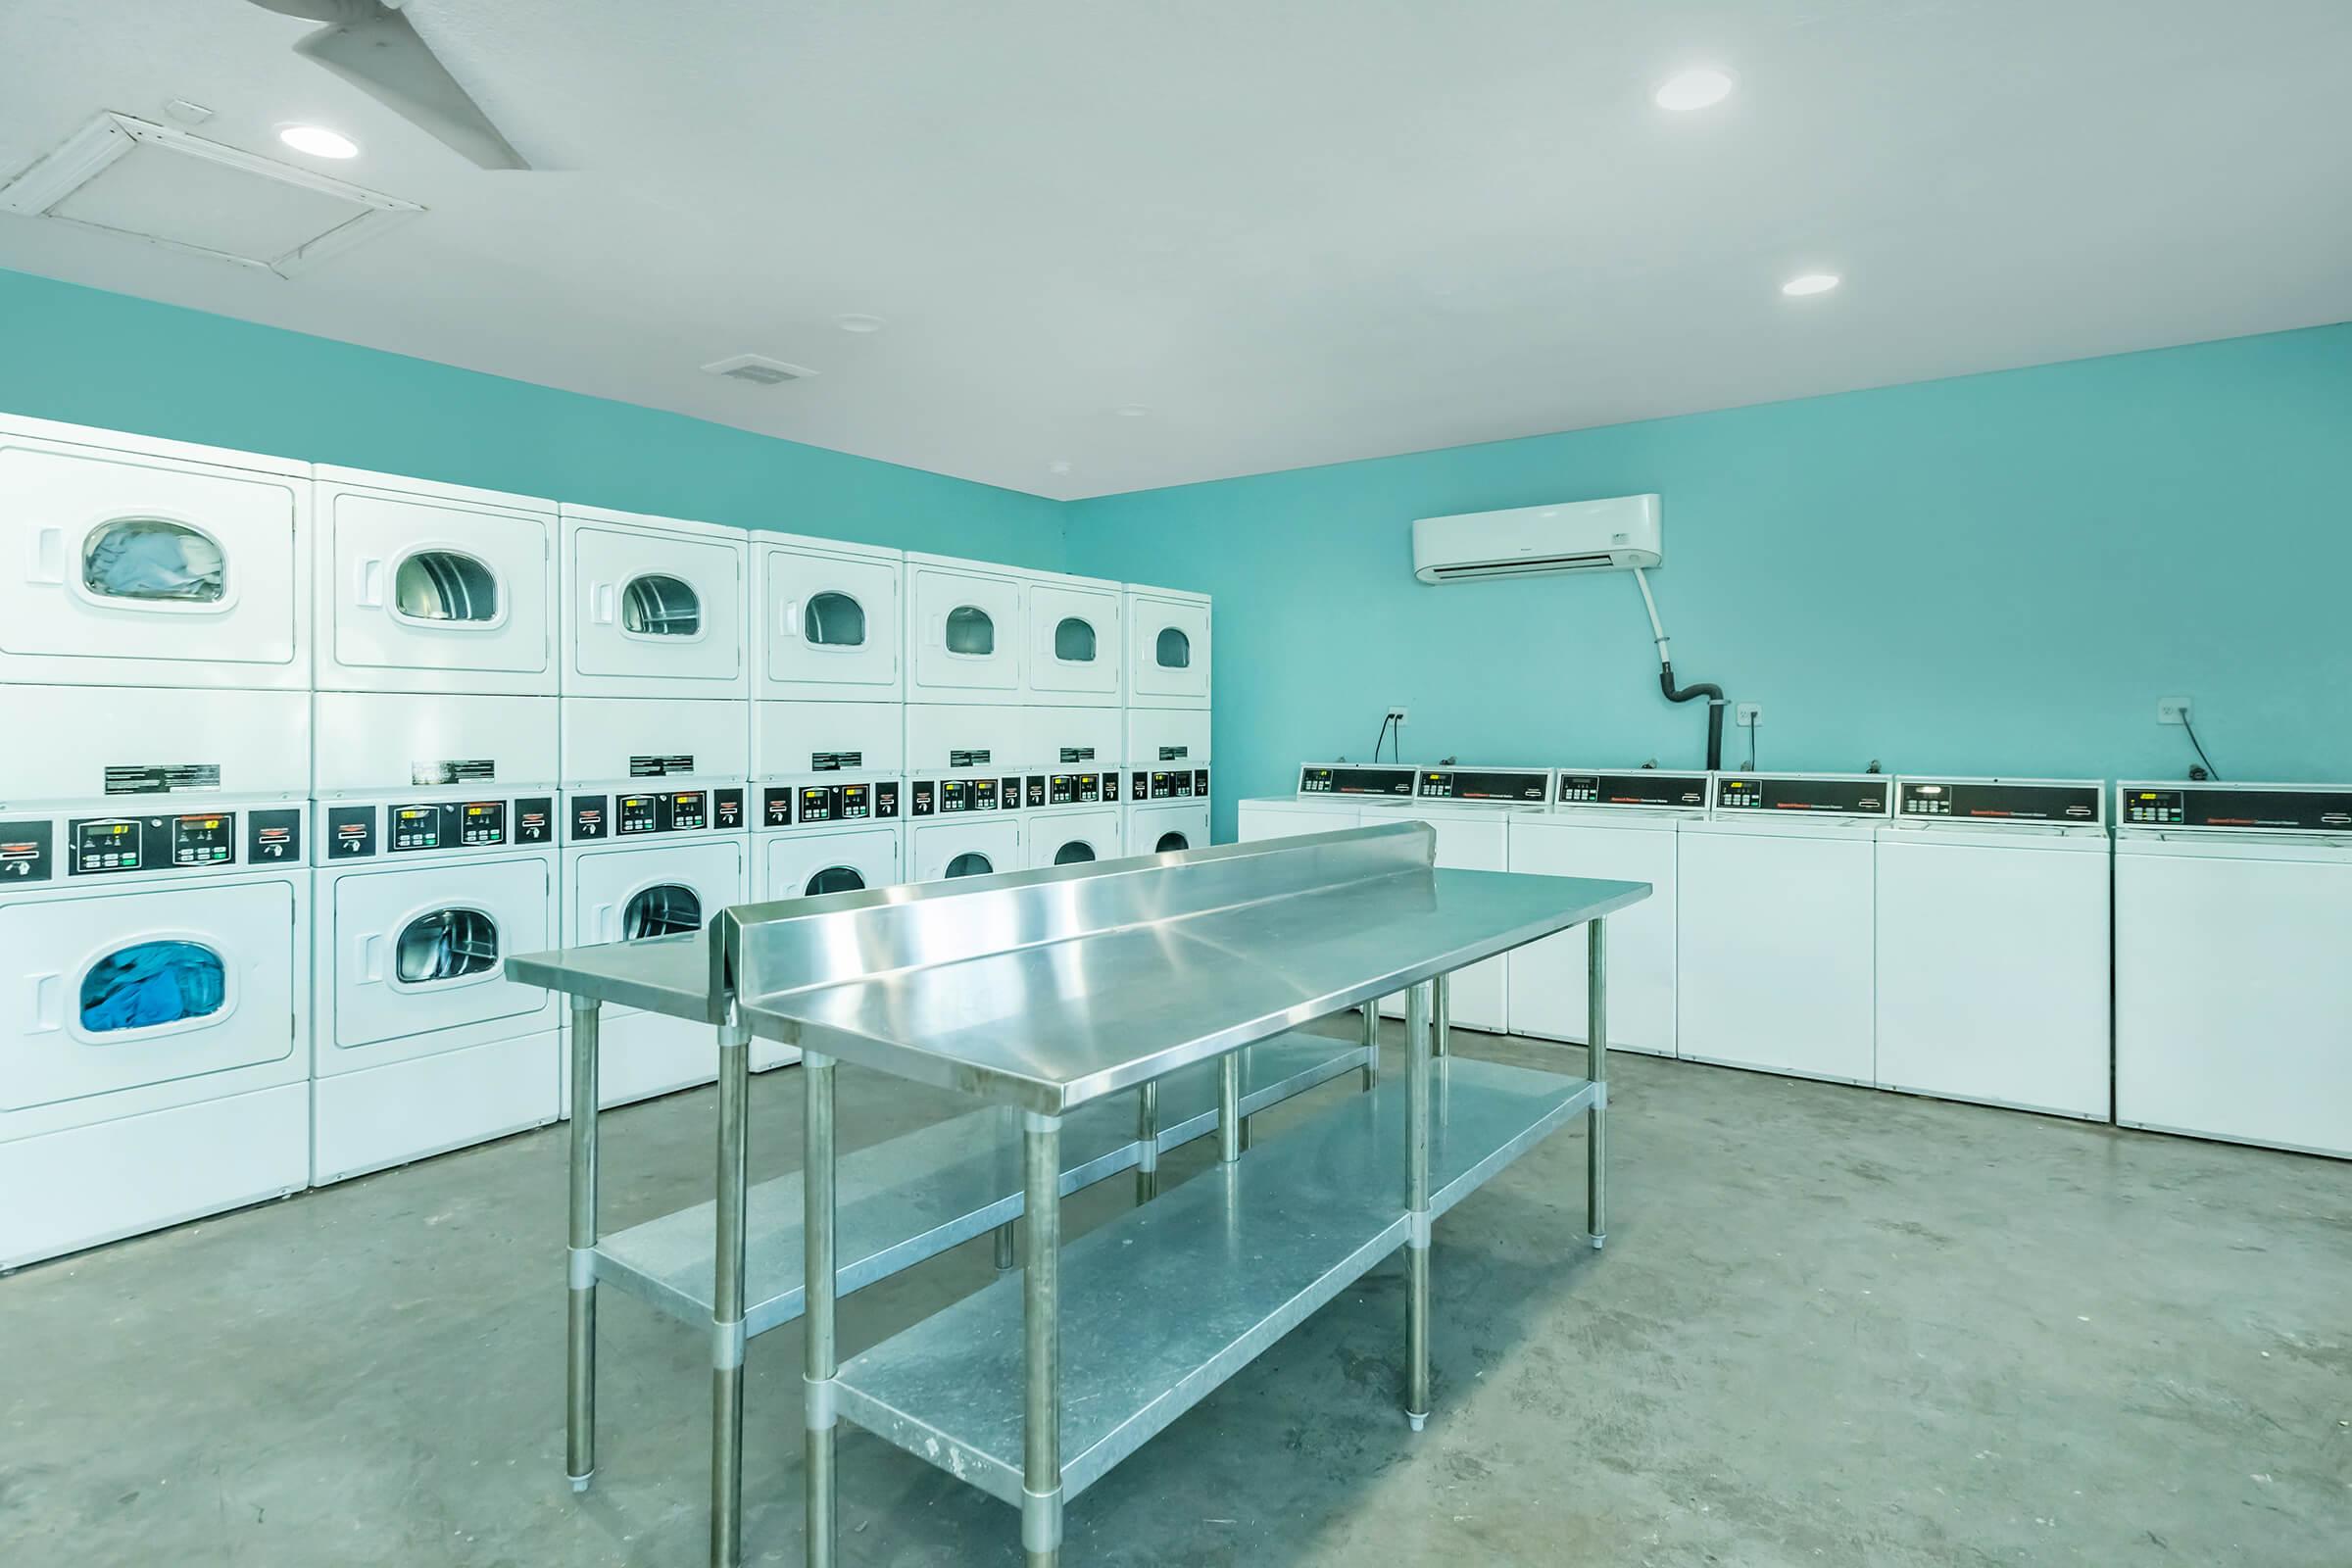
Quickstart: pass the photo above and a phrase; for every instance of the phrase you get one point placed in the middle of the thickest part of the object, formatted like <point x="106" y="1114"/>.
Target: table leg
<point x="1248" y="1123"/>
<point x="1041" y="1317"/>
<point x="579" y="1389"/>
<point x="1444" y="1044"/>
<point x="1371" y="1045"/>
<point x="1416" y="1247"/>
<point x="818" y="1364"/>
<point x="1229" y="1106"/>
<point x="1596" y="1069"/>
<point x="1147" y="1137"/>
<point x="726" y="1297"/>
<point x="1005" y="1246"/>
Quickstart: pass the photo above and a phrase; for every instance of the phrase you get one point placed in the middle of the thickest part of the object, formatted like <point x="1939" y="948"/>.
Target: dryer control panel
<point x="1176" y="784"/>
<point x="1507" y="786"/>
<point x="177" y="843"/>
<point x="410" y="827"/>
<point x="1072" y="789"/>
<point x="1821" y="794"/>
<point x="813" y="804"/>
<point x="636" y="814"/>
<point x="2236" y="808"/>
<point x="1646" y="789"/>
<point x="958" y="797"/>
<point x="1997" y="801"/>
<point x="1316" y="780"/>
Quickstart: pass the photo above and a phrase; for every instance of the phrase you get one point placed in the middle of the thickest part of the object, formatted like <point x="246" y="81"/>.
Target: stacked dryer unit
<point x="2233" y="997"/>
<point x="1075" y="685"/>
<point x="435" y="785"/>
<point x="1167" y="729"/>
<point x="656" y="759"/>
<point x="968" y="734"/>
<point x="154" y="904"/>
<point x="1622" y="826"/>
<point x="1774" y="924"/>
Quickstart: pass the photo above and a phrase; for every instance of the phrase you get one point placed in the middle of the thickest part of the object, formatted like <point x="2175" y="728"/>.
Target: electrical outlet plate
<point x="2172" y="710"/>
<point x="1748" y="716"/>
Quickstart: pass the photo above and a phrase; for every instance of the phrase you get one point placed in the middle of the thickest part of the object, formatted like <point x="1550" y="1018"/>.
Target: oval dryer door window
<point x="446" y="945"/>
<point x="666" y="910"/>
<point x="833" y="879"/>
<point x="151" y="560"/>
<point x="657" y="604"/>
<point x="834" y="621"/>
<point x="971" y="863"/>
<point x="970" y="633"/>
<point x="1075" y="853"/>
<point x="1074" y="641"/>
<point x="445" y="585"/>
<point x="1171" y="841"/>
<point x="153" y="985"/>
<point x="1173" y="650"/>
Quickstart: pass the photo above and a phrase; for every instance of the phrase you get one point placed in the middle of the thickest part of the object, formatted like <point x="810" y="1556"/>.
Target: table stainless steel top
<point x="1048" y="990"/>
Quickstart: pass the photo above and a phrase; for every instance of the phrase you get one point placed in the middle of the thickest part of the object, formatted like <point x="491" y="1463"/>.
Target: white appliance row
<point x="1836" y="926"/>
<point x="146" y="563"/>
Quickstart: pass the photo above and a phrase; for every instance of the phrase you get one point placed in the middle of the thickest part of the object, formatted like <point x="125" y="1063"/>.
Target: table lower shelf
<point x="1168" y="1300"/>
<point x="914" y="1197"/>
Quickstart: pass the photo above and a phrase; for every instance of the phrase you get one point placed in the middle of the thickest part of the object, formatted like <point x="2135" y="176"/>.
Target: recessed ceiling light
<point x="1809" y="283"/>
<point x="1058" y="466"/>
<point x="854" y="323"/>
<point x="319" y="141"/>
<point x="1131" y="411"/>
<point x="1700" y="87"/>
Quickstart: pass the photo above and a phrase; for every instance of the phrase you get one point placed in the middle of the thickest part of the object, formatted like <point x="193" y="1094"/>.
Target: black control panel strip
<point x="1345" y="779"/>
<point x="2236" y="808"/>
<point x="1997" y="801"/>
<point x="1509" y="786"/>
<point x="1862" y="795"/>
<point x="1644" y="789"/>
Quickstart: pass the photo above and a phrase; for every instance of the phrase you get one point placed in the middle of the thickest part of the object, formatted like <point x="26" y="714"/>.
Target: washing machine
<point x="657" y="841"/>
<point x="1168" y="647"/>
<point x="1166" y="810"/>
<point x="2233" y="999"/>
<point x="826" y="621"/>
<point x="423" y="587"/>
<point x="1063" y="737"/>
<point x="1075" y="641"/>
<point x="158" y="936"/>
<point x="1620" y="826"/>
<point x="653" y="607"/>
<point x="1074" y="817"/>
<point x="1775" y="924"/>
<point x="139" y="562"/>
<point x="964" y="631"/>
<point x="420" y="890"/>
<point x="962" y="824"/>
<point x="1330" y="796"/>
<point x="1472" y="810"/>
<point x="837" y="831"/>
<point x="969" y="738"/>
<point x="1994" y="917"/>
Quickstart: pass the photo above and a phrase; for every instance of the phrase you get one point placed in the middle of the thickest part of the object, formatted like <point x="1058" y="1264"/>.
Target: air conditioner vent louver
<point x="1618" y="534"/>
<point x="758" y="369"/>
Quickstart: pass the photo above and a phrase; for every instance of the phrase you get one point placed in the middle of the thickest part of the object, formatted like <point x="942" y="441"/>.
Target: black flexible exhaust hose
<point x="1714" y="696"/>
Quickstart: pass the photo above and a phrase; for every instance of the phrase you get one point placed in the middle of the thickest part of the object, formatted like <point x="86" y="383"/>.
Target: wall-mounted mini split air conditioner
<point x="1613" y="535"/>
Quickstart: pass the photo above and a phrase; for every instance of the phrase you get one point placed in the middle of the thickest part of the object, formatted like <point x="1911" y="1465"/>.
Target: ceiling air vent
<point x="151" y="184"/>
<point x="758" y="369"/>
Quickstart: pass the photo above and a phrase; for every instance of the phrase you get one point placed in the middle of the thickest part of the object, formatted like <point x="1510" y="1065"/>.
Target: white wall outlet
<point x="1748" y="716"/>
<point x="1396" y="714"/>
<point x="2172" y="710"/>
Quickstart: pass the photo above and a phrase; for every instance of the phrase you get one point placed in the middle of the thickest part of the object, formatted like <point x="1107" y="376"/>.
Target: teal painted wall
<point x="1993" y="575"/>
<point x="107" y="360"/>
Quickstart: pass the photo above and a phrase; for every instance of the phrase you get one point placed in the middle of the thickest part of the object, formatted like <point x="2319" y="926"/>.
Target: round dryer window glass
<point x="446" y="945"/>
<point x="444" y="585"/>
<point x="661" y="911"/>
<point x="1171" y="841"/>
<point x="970" y="631"/>
<point x="971" y="863"/>
<point x="151" y="985"/>
<point x="834" y="621"/>
<point x="1075" y="853"/>
<point x="659" y="605"/>
<point x="833" y="879"/>
<point x="1074" y="641"/>
<point x="1174" y="650"/>
<point x="151" y="559"/>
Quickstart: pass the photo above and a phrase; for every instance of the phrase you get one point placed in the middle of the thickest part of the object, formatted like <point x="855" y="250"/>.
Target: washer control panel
<point x="1510" y="786"/>
<point x="1997" y="801"/>
<point x="1646" y="789"/>
<point x="2236" y="808"/>
<point x="1820" y="794"/>
<point x="1316" y="780"/>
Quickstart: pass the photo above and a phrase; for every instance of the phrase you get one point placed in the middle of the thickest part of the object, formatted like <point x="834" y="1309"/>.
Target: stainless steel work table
<point x="1043" y="992"/>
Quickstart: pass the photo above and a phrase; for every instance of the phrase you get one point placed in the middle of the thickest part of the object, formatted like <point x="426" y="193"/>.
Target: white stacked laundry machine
<point x="155" y="908"/>
<point x="436" y="715"/>
<point x="655" y="759"/>
<point x="1167" y="729"/>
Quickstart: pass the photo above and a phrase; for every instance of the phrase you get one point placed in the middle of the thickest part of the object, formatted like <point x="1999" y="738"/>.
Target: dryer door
<point x="1166" y="829"/>
<point x="654" y="608"/>
<point x="113" y="992"/>
<point x="1073" y="838"/>
<point x="1074" y="642"/>
<point x="832" y="625"/>
<point x="421" y="593"/>
<point x="1168" y="652"/>
<point x="808" y="865"/>
<point x="965" y="632"/>
<point x="944" y="851"/>
<point x="426" y="950"/>
<point x="119" y="569"/>
<point x="660" y="890"/>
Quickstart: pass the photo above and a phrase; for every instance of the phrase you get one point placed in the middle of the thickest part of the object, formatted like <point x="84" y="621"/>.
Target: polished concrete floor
<point x="1830" y="1327"/>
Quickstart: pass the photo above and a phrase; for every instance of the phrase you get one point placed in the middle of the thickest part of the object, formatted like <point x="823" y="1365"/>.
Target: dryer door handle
<point x="48" y="1004"/>
<point x="787" y="623"/>
<point x="602" y="918"/>
<point x="49" y="556"/>
<point x="369" y="954"/>
<point x="367" y="584"/>
<point x="600" y="603"/>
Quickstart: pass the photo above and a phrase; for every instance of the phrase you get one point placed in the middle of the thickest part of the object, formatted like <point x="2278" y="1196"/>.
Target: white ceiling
<point x="1296" y="232"/>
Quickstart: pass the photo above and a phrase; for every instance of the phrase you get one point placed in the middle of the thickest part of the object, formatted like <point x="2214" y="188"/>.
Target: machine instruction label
<point x="834" y="761"/>
<point x="161" y="778"/>
<point x="454" y="770"/>
<point x="661" y="766"/>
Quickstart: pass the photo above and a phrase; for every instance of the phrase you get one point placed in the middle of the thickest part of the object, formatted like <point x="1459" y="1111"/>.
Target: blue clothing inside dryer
<point x="154" y="560"/>
<point x="154" y="983"/>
